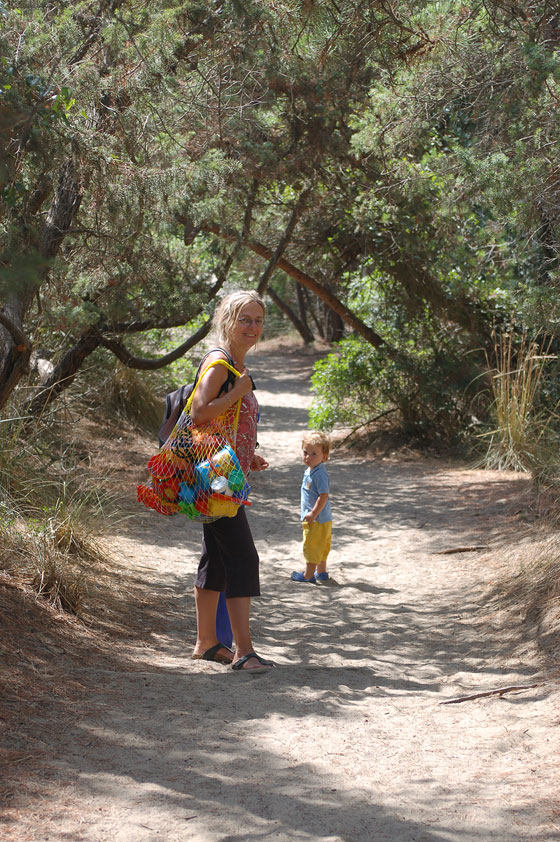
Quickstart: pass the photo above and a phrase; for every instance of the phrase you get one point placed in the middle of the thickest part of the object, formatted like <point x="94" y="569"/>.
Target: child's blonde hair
<point x="322" y="440"/>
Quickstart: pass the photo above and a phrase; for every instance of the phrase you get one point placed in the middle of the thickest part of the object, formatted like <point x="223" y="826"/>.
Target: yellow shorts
<point x="316" y="541"/>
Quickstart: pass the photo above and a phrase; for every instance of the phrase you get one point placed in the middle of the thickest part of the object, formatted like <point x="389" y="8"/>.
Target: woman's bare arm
<point x="207" y="402"/>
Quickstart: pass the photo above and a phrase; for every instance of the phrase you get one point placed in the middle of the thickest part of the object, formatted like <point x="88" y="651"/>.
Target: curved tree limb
<point x="147" y="364"/>
<point x="284" y="240"/>
<point x="307" y="281"/>
<point x="64" y="372"/>
<point x="15" y="332"/>
<point x="67" y="368"/>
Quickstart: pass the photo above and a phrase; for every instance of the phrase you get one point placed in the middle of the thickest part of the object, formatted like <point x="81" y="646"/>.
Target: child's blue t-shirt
<point x="315" y="481"/>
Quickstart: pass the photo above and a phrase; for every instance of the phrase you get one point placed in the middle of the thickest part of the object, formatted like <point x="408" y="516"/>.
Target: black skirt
<point x="229" y="560"/>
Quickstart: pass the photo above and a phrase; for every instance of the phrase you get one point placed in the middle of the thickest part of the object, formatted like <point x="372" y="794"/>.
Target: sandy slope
<point x="346" y="740"/>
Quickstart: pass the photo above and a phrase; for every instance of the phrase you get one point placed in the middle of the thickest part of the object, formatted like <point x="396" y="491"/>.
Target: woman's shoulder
<point x="216" y="354"/>
<point x="213" y="356"/>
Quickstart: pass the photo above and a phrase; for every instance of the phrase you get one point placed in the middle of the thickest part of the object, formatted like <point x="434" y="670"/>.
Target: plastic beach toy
<point x="225" y="461"/>
<point x="186" y="493"/>
<point x="219" y="485"/>
<point x="222" y="506"/>
<point x="203" y="475"/>
<point x="236" y="480"/>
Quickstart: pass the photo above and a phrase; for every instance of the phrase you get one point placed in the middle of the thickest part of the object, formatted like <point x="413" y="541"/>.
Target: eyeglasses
<point x="247" y="320"/>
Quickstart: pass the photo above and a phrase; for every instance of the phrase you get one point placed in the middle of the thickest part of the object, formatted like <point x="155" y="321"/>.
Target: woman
<point x="229" y="559"/>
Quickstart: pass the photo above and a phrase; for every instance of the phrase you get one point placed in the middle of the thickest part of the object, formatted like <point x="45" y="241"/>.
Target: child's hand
<point x="308" y="518"/>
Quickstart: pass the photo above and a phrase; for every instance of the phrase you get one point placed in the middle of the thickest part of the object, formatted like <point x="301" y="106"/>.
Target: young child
<point x="316" y="516"/>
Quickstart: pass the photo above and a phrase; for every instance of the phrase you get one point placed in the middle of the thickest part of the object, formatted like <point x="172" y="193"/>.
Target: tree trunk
<point x="300" y="326"/>
<point x="300" y="298"/>
<point x="284" y="240"/>
<point x="64" y="372"/>
<point x="312" y="309"/>
<point x="15" y="348"/>
<point x="334" y="326"/>
<point x="14" y="354"/>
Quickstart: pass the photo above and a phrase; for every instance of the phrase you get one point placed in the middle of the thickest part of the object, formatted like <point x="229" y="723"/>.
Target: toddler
<point x="316" y="516"/>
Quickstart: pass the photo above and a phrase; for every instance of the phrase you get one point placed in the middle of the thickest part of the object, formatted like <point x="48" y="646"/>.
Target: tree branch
<point x="300" y="326"/>
<point x="284" y="240"/>
<point x="498" y="692"/>
<point x="306" y="280"/>
<point x="147" y="364"/>
<point x="15" y="332"/>
<point x="64" y="372"/>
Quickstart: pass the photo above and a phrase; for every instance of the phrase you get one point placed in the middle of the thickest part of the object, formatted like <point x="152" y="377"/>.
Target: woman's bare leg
<point x="239" y="609"/>
<point x="206" y="606"/>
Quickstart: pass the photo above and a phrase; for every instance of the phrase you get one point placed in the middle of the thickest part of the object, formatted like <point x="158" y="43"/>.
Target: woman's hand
<point x="243" y="385"/>
<point x="258" y="463"/>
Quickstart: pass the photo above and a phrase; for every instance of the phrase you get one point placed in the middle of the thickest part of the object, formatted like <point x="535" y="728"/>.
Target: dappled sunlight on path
<point x="345" y="739"/>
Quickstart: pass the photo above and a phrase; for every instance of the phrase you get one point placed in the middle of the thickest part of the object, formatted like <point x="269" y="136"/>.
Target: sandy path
<point x="345" y="741"/>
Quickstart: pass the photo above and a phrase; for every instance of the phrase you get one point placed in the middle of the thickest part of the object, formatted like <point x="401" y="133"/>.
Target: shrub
<point x="425" y="390"/>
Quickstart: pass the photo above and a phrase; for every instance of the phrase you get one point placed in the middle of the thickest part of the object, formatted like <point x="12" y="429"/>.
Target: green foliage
<point x="427" y="132"/>
<point x="342" y="382"/>
<point x="425" y="389"/>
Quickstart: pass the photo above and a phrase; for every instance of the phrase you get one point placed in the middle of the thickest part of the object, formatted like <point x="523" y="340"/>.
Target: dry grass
<point x="130" y="395"/>
<point x="528" y="589"/>
<point x="521" y="438"/>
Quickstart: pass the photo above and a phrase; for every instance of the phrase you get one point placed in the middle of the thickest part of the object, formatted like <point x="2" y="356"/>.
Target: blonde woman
<point x="229" y="560"/>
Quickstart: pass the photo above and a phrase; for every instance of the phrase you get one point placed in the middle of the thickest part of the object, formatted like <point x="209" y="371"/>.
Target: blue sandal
<point x="299" y="577"/>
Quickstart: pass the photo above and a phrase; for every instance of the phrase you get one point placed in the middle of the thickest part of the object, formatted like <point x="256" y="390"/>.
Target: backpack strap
<point x="175" y="401"/>
<point x="225" y="387"/>
<point x="207" y="368"/>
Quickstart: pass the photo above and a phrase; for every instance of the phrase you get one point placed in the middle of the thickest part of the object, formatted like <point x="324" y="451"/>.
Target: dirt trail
<point x="345" y="741"/>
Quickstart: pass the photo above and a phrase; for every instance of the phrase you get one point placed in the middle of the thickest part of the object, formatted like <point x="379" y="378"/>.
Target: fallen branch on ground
<point x="461" y="550"/>
<point x="365" y="424"/>
<point x="498" y="692"/>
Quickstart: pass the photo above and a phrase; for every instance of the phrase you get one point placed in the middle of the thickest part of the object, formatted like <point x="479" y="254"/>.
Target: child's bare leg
<point x="309" y="570"/>
<point x="322" y="568"/>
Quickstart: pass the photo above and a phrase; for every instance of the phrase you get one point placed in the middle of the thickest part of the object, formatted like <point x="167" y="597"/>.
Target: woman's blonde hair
<point x="318" y="439"/>
<point x="227" y="312"/>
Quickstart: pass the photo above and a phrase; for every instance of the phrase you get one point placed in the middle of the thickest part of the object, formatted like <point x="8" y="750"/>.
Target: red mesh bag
<point x="196" y="472"/>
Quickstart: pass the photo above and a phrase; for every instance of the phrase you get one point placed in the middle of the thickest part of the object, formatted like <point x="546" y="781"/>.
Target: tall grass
<point x="50" y="514"/>
<point x="524" y="436"/>
<point x="131" y="395"/>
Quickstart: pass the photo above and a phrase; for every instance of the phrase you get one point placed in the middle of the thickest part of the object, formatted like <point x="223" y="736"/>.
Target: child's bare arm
<point x="320" y="504"/>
